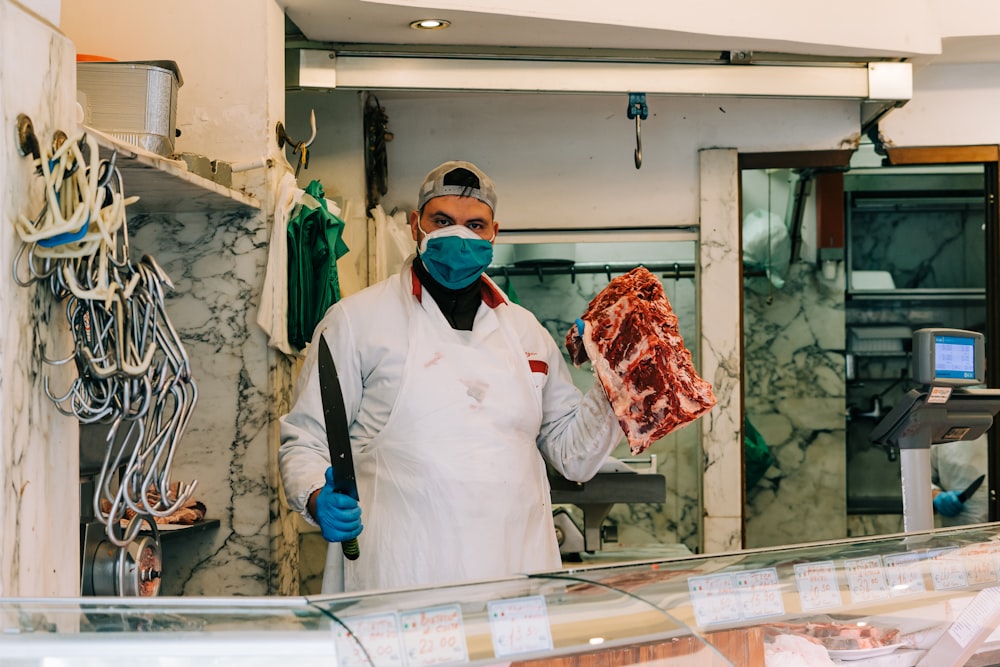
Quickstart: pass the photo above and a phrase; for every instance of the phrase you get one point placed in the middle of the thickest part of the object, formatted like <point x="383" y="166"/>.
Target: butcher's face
<point x="450" y="210"/>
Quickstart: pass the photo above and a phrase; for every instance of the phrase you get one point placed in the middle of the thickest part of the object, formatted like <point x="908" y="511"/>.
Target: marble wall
<point x="215" y="262"/>
<point x="794" y="396"/>
<point x="721" y="349"/>
<point x="39" y="497"/>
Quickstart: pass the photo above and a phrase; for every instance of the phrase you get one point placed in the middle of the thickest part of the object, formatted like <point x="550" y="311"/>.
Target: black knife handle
<point x="351" y="550"/>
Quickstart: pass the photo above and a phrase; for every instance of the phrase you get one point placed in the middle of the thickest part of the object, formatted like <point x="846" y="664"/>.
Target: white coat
<point x="955" y="465"/>
<point x="449" y="432"/>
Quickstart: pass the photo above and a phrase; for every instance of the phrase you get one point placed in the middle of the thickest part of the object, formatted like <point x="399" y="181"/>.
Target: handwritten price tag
<point x="817" y="584"/>
<point x="370" y="640"/>
<point x="948" y="570"/>
<point x="866" y="579"/>
<point x="519" y="625"/>
<point x="759" y="592"/>
<point x="434" y="636"/>
<point x="904" y="573"/>
<point x="980" y="563"/>
<point x="715" y="599"/>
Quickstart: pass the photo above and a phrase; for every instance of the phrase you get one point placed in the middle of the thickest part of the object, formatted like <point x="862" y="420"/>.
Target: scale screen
<point x="948" y="357"/>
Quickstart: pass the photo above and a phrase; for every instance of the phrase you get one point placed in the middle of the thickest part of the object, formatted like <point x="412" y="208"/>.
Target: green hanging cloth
<point x="315" y="242"/>
<point x="757" y="455"/>
<point x="509" y="288"/>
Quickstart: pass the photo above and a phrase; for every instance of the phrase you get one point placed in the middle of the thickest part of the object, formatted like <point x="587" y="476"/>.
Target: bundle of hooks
<point x="132" y="371"/>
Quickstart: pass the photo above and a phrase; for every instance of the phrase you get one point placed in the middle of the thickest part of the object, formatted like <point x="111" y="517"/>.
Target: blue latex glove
<point x="579" y="327"/>
<point x="338" y="514"/>
<point x="947" y="503"/>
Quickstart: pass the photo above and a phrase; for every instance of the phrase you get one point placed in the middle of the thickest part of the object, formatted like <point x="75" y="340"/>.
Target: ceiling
<point x="374" y="22"/>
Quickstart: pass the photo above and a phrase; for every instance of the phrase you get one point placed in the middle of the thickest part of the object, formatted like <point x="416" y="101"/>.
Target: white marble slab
<point x="39" y="479"/>
<point x="721" y="344"/>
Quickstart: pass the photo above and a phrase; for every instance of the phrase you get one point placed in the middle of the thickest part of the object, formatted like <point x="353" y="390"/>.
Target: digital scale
<point x="946" y="364"/>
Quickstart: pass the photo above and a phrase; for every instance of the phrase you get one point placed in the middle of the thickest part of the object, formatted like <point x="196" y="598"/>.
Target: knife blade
<point x="337" y="437"/>
<point x="971" y="488"/>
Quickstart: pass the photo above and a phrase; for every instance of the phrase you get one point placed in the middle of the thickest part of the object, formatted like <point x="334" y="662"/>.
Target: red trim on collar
<point x="417" y="290"/>
<point x="492" y="296"/>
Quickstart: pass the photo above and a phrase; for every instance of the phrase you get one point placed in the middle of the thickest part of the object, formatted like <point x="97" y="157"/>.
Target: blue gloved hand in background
<point x="947" y="503"/>
<point x="579" y="327"/>
<point x="338" y="514"/>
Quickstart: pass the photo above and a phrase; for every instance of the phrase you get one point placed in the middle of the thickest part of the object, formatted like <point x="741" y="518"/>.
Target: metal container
<point x="135" y="102"/>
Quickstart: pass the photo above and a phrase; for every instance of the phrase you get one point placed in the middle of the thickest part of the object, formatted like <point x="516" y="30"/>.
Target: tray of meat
<point x="633" y="342"/>
<point x="842" y="641"/>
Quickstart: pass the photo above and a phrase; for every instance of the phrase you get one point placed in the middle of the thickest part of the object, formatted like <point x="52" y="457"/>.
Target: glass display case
<point x="929" y="598"/>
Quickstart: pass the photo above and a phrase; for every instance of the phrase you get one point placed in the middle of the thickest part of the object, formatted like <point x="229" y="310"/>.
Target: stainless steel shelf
<point x="956" y="294"/>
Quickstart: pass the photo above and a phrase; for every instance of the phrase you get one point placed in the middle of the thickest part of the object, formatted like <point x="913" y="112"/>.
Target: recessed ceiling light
<point x="430" y="24"/>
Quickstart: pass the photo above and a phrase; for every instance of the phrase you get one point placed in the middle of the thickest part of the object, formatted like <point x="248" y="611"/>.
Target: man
<point x="456" y="398"/>
<point x="955" y="465"/>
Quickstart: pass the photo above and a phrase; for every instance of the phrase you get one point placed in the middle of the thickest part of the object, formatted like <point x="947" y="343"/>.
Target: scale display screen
<point x="955" y="357"/>
<point x="948" y="357"/>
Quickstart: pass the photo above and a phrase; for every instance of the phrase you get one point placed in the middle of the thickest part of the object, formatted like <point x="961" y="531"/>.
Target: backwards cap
<point x="458" y="178"/>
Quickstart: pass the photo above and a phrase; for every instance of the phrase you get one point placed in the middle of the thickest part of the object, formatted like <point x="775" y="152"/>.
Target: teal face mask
<point x="455" y="256"/>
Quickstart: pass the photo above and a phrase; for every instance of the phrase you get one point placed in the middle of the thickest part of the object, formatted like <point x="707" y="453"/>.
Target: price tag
<point x="434" y="636"/>
<point x="519" y="625"/>
<point x="370" y="640"/>
<point x="817" y="584"/>
<point x="904" y="574"/>
<point x="948" y="570"/>
<point x="939" y="395"/>
<point x="714" y="598"/>
<point x="759" y="593"/>
<point x="866" y="579"/>
<point x="980" y="563"/>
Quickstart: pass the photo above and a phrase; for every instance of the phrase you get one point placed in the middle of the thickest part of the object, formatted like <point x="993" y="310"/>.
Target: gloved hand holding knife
<point x="335" y="507"/>
<point x="338" y="514"/>
<point x="950" y="503"/>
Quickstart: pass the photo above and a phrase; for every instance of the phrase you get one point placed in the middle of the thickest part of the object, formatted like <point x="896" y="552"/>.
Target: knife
<point x="337" y="437"/>
<point x="971" y="488"/>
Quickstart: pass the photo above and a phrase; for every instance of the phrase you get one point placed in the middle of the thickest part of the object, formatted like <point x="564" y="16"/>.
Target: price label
<point x="948" y="570"/>
<point x="519" y="625"/>
<point x="715" y="599"/>
<point x="370" y="640"/>
<point x="904" y="573"/>
<point x="759" y="593"/>
<point x="817" y="584"/>
<point x="434" y="636"/>
<point x="980" y="563"/>
<point x="866" y="579"/>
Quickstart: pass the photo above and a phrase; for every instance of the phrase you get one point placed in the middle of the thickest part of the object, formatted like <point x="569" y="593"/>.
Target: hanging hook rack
<point x="300" y="148"/>
<point x="637" y="109"/>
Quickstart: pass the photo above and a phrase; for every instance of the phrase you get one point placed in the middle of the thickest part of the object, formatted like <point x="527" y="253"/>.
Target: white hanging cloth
<point x="273" y="309"/>
<point x="393" y="242"/>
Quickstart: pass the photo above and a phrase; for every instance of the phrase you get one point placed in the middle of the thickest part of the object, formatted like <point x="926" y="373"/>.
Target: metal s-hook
<point x="637" y="109"/>
<point x="300" y="148"/>
<point x="282" y="135"/>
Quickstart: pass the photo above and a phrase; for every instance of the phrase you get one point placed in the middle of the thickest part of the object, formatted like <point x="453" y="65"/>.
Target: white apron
<point x="454" y="487"/>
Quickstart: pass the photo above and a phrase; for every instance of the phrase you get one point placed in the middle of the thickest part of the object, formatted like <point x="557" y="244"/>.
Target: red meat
<point x="637" y="352"/>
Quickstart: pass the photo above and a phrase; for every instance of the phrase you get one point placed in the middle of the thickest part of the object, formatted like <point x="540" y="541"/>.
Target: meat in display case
<point x="930" y="599"/>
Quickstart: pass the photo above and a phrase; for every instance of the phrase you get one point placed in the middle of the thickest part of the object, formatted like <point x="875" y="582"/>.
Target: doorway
<point x="809" y="318"/>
